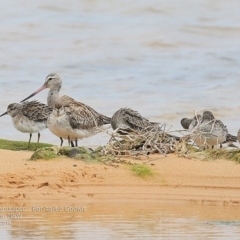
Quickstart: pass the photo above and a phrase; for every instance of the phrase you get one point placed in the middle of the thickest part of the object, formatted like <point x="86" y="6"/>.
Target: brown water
<point x="43" y="220"/>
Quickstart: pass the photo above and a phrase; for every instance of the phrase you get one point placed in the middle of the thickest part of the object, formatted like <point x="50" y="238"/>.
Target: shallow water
<point x="122" y="221"/>
<point x="162" y="58"/>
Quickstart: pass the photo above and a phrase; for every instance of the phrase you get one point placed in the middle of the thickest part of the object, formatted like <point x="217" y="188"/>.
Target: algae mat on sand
<point x="19" y="145"/>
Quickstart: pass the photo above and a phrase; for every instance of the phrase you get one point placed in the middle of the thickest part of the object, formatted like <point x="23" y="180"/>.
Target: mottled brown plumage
<point x="130" y="120"/>
<point x="126" y="121"/>
<point x="36" y="111"/>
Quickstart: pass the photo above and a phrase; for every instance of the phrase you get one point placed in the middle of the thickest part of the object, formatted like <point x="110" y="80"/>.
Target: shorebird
<point x="81" y="120"/>
<point x="29" y="117"/>
<point x="210" y="131"/>
<point x="238" y="136"/>
<point x="126" y="121"/>
<point x="190" y="123"/>
<point x="60" y="124"/>
<point x="214" y="131"/>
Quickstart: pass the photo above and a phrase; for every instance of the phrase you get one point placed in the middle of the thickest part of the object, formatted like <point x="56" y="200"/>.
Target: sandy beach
<point x="174" y="179"/>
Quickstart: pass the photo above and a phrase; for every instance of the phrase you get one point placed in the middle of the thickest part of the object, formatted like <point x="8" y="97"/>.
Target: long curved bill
<point x="36" y="92"/>
<point x="4" y="114"/>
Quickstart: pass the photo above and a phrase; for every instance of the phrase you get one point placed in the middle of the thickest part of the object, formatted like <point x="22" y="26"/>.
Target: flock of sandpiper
<point x="72" y="120"/>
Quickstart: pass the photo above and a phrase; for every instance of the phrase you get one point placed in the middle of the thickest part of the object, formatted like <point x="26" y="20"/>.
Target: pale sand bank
<point x="175" y="178"/>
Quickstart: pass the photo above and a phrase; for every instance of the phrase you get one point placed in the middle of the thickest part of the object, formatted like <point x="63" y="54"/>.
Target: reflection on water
<point x="124" y="221"/>
<point x="162" y="58"/>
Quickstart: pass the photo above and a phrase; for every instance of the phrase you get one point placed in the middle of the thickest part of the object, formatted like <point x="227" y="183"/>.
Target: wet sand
<point x="174" y="179"/>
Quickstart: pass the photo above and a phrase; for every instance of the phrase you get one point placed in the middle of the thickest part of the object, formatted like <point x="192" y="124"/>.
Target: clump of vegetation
<point x="77" y="153"/>
<point x="45" y="153"/>
<point x="82" y="153"/>
<point x="142" y="170"/>
<point x="19" y="145"/>
<point x="190" y="151"/>
<point x="213" y="154"/>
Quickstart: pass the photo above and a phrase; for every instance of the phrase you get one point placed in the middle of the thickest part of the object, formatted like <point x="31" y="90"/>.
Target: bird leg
<point x="29" y="140"/>
<point x="76" y="142"/>
<point x="38" y="141"/>
<point x="61" y="141"/>
<point x="70" y="142"/>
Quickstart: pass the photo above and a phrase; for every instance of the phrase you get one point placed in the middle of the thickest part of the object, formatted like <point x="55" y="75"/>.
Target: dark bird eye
<point x="50" y="79"/>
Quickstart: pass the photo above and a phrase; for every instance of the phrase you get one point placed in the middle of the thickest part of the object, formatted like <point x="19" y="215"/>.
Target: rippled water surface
<point x="122" y="221"/>
<point x="162" y="58"/>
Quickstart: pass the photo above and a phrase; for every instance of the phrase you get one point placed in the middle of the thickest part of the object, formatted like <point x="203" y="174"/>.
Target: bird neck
<point x="53" y="96"/>
<point x="14" y="114"/>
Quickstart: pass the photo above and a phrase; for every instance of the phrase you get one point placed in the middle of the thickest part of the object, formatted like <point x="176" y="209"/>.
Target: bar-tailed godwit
<point x="126" y="120"/>
<point x="29" y="117"/>
<point x="75" y="118"/>
<point x="209" y="131"/>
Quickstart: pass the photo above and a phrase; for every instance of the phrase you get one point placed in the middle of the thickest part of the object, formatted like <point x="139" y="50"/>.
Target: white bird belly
<point x="61" y="127"/>
<point x="28" y="126"/>
<point x="213" y="139"/>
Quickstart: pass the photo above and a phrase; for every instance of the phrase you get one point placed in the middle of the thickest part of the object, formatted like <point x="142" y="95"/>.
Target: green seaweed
<point x="19" y="145"/>
<point x="142" y="170"/>
<point x="45" y="153"/>
<point x="82" y="153"/>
